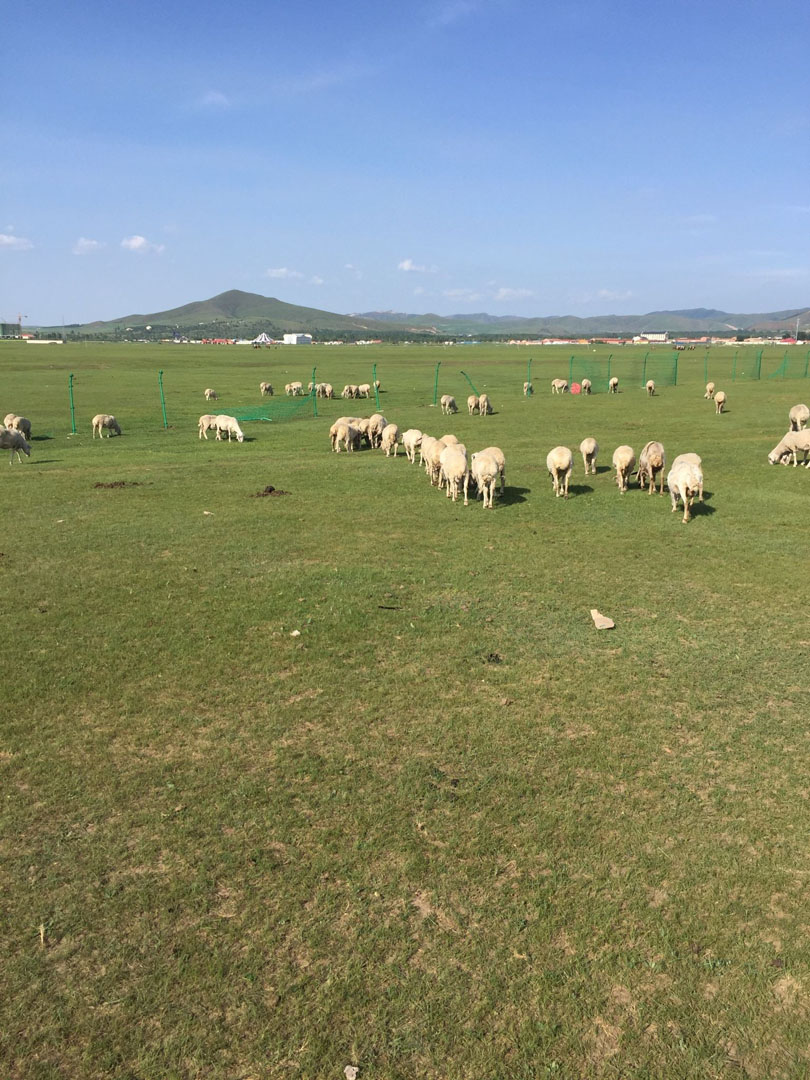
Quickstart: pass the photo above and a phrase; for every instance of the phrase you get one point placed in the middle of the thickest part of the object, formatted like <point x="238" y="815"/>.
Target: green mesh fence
<point x="277" y="409"/>
<point x="794" y="365"/>
<point x="634" y="371"/>
<point x="737" y="365"/>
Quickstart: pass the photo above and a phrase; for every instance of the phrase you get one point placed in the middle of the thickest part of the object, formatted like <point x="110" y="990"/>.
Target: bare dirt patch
<point x="117" y="484"/>
<point x="269" y="490"/>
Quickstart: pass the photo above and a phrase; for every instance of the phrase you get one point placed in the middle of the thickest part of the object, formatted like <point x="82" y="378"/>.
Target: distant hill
<point x="237" y="313"/>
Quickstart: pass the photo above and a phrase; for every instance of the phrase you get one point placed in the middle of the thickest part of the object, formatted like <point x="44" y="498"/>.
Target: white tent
<point x="262" y="339"/>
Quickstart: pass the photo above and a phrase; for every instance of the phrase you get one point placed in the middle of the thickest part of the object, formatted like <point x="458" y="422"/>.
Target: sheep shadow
<point x="44" y="461"/>
<point x="513" y="495"/>
<point x="579" y="489"/>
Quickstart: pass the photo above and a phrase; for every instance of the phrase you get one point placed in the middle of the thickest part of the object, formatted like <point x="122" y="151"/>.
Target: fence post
<point x="374" y="384"/>
<point x="644" y="369"/>
<point x="734" y="368"/>
<point x="72" y="410"/>
<point x="472" y="384"/>
<point x="570" y="371"/>
<point x="529" y="371"/>
<point x="675" y="373"/>
<point x="806" y="362"/>
<point x="162" y="399"/>
<point x="313" y="395"/>
<point x="706" y="365"/>
<point x="609" y="359"/>
<point x="436" y="383"/>
<point x="758" y="363"/>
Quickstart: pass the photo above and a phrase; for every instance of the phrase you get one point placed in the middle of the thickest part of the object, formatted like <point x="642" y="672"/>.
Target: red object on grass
<point x="576" y="388"/>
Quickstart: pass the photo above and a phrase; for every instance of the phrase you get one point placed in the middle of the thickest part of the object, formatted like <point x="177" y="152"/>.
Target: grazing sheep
<point x="485" y="471"/>
<point x="560" y="464"/>
<point x="559" y="386"/>
<point x="376" y="425"/>
<point x="497" y="454"/>
<point x="586" y="386"/>
<point x="448" y="439"/>
<point x="613" y="385"/>
<point x="362" y="429"/>
<point x="472" y="403"/>
<point x="15" y="441"/>
<point x="9" y="418"/>
<point x="484" y="405"/>
<point x="798" y="416"/>
<point x="432" y="455"/>
<point x="364" y="390"/>
<point x="19" y="423"/>
<point x="390" y="439"/>
<point x="719" y="401"/>
<point x="376" y="385"/>
<point x="589" y="448"/>
<point x="341" y="432"/>
<point x="296" y="389"/>
<point x="211" y="395"/>
<point x="454" y="471"/>
<point x="208" y="422"/>
<point x="411" y="440"/>
<point x="794" y="443"/>
<point x="231" y="425"/>
<point x="651" y="461"/>
<point x="104" y="420"/>
<point x="624" y="460"/>
<point x="709" y="395"/>
<point x="691" y="459"/>
<point x="426" y="442"/>
<point x="528" y="389"/>
<point x="684" y="482"/>
<point x="448" y="404"/>
<point x="650" y="388"/>
<point x="266" y="388"/>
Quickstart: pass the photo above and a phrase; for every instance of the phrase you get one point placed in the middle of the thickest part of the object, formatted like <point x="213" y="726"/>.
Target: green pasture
<point x="346" y="776"/>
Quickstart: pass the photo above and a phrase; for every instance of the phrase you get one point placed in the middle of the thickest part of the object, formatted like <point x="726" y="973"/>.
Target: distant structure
<point x="653" y="336"/>
<point x="298" y="339"/>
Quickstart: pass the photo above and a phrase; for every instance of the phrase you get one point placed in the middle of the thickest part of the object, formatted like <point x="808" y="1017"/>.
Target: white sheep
<point x="411" y="440"/>
<point x="624" y="460"/>
<point x="691" y="459"/>
<point x="104" y="420"/>
<point x="684" y="482"/>
<point x="432" y="454"/>
<point x="208" y="422"/>
<point x="19" y="423"/>
<point x="448" y="439"/>
<point x="559" y="386"/>
<point x="472" y="403"/>
<point x="376" y="426"/>
<point x="364" y="390"/>
<point x="484" y="405"/>
<point x="586" y="386"/>
<point x="390" y="439"/>
<point x="651" y="461"/>
<point x="448" y="404"/>
<point x="798" y="416"/>
<point x="497" y="454"/>
<point x="454" y="471"/>
<point x="793" y="444"/>
<point x="424" y="445"/>
<point x="376" y="384"/>
<point x="266" y="388"/>
<point x="528" y="389"/>
<point x="613" y="385"/>
<point x="560" y="464"/>
<point x="15" y="441"/>
<point x="230" y="425"/>
<point x="9" y="418"/>
<point x="328" y="390"/>
<point x="211" y="395"/>
<point x="589" y="448"/>
<point x="485" y="471"/>
<point x="709" y="395"/>
<point x="650" y="388"/>
<point x="294" y="389"/>
<point x="719" y="401"/>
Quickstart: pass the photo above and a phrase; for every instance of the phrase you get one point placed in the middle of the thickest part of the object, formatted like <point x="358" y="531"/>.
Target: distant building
<point x="653" y="336"/>
<point x="298" y="339"/>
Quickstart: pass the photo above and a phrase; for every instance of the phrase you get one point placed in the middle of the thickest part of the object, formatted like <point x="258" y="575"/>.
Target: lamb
<point x="364" y="390"/>
<point x="454" y="471"/>
<point x="19" y="423"/>
<point x="719" y="401"/>
<point x="211" y="395"/>
<point x="586" y="386"/>
<point x="589" y="448"/>
<point x="794" y="443"/>
<point x="472" y="403"/>
<point x="691" y="459"/>
<point x="448" y="404"/>
<point x="560" y="464"/>
<point x="229" y="424"/>
<point x="266" y="388"/>
<point x="208" y="422"/>
<point x="624" y="460"/>
<point x="411" y="440"/>
<point x="709" y="395"/>
<point x="651" y="460"/>
<point x="613" y="385"/>
<point x="497" y="454"/>
<point x="390" y="439"/>
<point x="376" y="425"/>
<point x="650" y="388"/>
<point x="484" y="405"/>
<point x="104" y="420"/>
<point x="684" y="482"/>
<point x="528" y="389"/>
<point x="485" y="471"/>
<point x="376" y="385"/>
<point x="798" y="416"/>
<point x="15" y="441"/>
<point x="559" y="386"/>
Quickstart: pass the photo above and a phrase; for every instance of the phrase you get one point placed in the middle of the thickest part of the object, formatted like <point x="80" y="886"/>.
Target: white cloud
<point x="354" y="270"/>
<point x="83" y="246"/>
<point x="410" y="267"/>
<point x="214" y="99"/>
<point x="141" y="245"/>
<point x="512" y="294"/>
<point x="614" y="294"/>
<point x="462" y="294"/>
<point x="283" y="272"/>
<point x="316" y="280"/>
<point x="14" y="243"/>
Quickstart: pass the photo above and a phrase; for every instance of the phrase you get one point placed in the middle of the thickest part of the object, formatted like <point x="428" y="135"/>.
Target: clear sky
<point x="509" y="156"/>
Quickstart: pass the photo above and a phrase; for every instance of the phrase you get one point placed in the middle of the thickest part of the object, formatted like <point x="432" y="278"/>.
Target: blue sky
<point x="446" y="155"/>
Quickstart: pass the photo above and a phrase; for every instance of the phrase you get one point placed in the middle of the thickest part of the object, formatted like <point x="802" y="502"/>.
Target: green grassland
<point x="448" y="830"/>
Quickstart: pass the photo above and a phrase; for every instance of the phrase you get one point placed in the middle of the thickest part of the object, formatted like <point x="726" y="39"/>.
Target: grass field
<point x="448" y="831"/>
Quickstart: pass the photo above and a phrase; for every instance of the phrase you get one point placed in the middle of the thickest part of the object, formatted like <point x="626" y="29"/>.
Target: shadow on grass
<point x="513" y="495"/>
<point x="44" y="461"/>
<point x="579" y="489"/>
